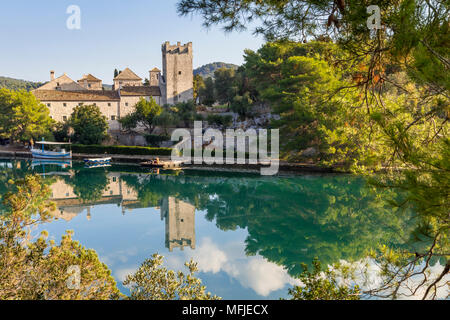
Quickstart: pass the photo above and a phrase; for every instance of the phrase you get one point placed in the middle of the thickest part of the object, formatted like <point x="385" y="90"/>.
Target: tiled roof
<point x="89" y="77"/>
<point x="155" y="70"/>
<point x="85" y="95"/>
<point x="140" y="91"/>
<point x="127" y="74"/>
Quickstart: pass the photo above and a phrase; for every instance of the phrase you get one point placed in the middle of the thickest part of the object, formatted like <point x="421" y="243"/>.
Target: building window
<point x="89" y="85"/>
<point x="49" y="105"/>
<point x="179" y="72"/>
<point x="109" y="104"/>
<point x="64" y="118"/>
<point x="126" y="104"/>
<point x="64" y="104"/>
<point x="114" y="179"/>
<point x="113" y="117"/>
<point x="80" y="104"/>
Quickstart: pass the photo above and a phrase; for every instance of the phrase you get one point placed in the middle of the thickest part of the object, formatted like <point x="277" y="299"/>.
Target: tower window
<point x="64" y="104"/>
<point x="109" y="104"/>
<point x="179" y="72"/>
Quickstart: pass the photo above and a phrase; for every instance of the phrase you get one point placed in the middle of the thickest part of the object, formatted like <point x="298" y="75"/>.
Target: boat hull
<point x="39" y="154"/>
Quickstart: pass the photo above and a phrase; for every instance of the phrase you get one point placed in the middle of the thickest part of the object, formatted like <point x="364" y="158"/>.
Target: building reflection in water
<point x="179" y="215"/>
<point x="180" y="223"/>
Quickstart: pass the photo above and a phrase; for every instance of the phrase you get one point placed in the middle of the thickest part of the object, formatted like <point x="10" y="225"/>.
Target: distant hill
<point x="208" y="69"/>
<point x="16" y="84"/>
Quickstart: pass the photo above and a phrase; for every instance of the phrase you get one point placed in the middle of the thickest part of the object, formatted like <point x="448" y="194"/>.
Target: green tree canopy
<point x="89" y="124"/>
<point x="224" y="84"/>
<point x="144" y="115"/>
<point x="22" y="116"/>
<point x="207" y="94"/>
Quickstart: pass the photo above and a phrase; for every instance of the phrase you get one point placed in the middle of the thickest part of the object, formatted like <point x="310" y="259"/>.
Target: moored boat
<point x="47" y="154"/>
<point x="166" y="165"/>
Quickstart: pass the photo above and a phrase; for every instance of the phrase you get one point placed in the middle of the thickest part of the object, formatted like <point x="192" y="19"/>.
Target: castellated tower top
<point x="178" y="48"/>
<point x="178" y="72"/>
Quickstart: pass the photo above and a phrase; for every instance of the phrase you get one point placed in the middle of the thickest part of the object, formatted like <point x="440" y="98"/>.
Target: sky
<point x="34" y="38"/>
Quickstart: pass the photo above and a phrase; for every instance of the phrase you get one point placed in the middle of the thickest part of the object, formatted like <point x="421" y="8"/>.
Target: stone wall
<point x="178" y="72"/>
<point x="60" y="110"/>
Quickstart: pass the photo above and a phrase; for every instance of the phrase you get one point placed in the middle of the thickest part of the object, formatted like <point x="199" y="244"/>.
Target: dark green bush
<point x="155" y="139"/>
<point x="220" y="120"/>
<point x="125" y="150"/>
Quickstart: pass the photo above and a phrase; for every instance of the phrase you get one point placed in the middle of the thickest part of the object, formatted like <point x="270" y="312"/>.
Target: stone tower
<point x="178" y="73"/>
<point x="155" y="75"/>
<point x="180" y="223"/>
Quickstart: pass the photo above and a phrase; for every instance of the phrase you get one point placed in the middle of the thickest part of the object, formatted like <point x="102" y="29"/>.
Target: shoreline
<point x="137" y="159"/>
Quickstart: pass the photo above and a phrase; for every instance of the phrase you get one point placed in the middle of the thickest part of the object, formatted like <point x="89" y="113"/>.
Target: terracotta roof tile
<point x="127" y="74"/>
<point x="89" y="77"/>
<point x="85" y="95"/>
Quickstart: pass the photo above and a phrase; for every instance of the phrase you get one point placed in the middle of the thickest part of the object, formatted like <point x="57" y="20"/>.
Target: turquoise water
<point x="249" y="234"/>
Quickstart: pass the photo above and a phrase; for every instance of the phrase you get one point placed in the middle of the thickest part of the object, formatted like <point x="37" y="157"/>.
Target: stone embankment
<point x="136" y="159"/>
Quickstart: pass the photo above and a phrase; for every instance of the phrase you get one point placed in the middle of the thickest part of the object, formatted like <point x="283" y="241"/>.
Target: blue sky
<point x="114" y="34"/>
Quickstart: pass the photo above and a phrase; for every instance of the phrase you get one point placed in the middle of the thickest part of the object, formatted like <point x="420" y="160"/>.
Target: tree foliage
<point x="38" y="270"/>
<point x="22" y="116"/>
<point x="144" y="115"/>
<point x="16" y="84"/>
<point x="391" y="107"/>
<point x="322" y="285"/>
<point x="154" y="282"/>
<point x="207" y="94"/>
<point x="89" y="124"/>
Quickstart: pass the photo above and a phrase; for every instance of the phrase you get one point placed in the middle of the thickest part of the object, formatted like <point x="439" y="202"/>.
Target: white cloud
<point x="251" y="272"/>
<point x="121" y="274"/>
<point x="209" y="257"/>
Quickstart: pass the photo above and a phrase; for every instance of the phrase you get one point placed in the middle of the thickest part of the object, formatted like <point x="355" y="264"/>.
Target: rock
<point x="310" y="152"/>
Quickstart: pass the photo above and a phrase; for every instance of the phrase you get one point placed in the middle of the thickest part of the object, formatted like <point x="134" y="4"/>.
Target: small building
<point x="89" y="82"/>
<point x="127" y="78"/>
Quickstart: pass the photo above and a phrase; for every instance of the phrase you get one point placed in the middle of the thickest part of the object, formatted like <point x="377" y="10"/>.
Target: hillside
<point x="16" y="84"/>
<point x="207" y="70"/>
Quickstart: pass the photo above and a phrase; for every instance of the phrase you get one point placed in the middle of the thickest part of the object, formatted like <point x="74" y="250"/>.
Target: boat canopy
<point x="52" y="143"/>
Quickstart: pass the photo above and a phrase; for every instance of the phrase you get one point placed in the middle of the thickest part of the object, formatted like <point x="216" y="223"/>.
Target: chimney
<point x="52" y="75"/>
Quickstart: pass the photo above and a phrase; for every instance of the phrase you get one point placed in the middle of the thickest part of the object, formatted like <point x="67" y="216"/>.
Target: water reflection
<point x="180" y="223"/>
<point x="256" y="230"/>
<point x="179" y="215"/>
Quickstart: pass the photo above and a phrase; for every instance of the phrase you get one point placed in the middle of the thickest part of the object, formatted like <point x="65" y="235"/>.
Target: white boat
<point x="45" y="154"/>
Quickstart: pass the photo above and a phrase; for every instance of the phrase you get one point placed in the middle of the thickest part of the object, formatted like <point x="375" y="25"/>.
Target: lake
<point x="249" y="234"/>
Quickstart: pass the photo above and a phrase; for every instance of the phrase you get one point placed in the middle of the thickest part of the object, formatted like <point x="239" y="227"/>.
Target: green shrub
<point x="125" y="150"/>
<point x="220" y="120"/>
<point x="155" y="139"/>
